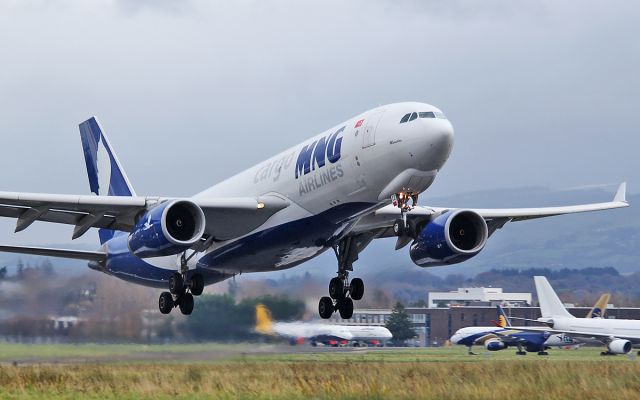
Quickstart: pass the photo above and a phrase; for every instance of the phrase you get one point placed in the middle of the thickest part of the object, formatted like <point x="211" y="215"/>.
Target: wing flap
<point x="602" y="336"/>
<point x="521" y="214"/>
<point x="226" y="217"/>
<point x="496" y="217"/>
<point x="51" y="252"/>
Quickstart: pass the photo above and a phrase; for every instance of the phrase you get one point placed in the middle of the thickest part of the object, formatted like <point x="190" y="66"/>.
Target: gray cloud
<point x="540" y="93"/>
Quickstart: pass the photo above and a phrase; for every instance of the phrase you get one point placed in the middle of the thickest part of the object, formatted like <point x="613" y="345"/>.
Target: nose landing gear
<point x="401" y="200"/>
<point x="342" y="292"/>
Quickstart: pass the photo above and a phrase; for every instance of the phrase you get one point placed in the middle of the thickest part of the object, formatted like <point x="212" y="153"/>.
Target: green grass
<point x="258" y="372"/>
<point x="42" y="352"/>
<point x="433" y="355"/>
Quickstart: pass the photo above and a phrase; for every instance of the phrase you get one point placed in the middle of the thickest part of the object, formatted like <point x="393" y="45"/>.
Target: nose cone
<point x="436" y="137"/>
<point x="456" y="338"/>
<point x="441" y="132"/>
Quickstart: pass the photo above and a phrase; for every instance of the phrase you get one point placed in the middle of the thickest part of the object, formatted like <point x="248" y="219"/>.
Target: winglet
<point x="621" y="194"/>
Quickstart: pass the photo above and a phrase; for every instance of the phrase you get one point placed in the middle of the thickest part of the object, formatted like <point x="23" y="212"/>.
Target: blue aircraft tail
<point x="503" y="320"/>
<point x="106" y="175"/>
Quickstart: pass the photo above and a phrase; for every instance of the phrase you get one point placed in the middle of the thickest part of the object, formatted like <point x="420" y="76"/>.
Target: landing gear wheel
<point x="345" y="306"/>
<point x="399" y="227"/>
<point x="357" y="289"/>
<point x="543" y="353"/>
<point x="336" y="288"/>
<point x="325" y="307"/>
<point x="521" y="353"/>
<point x="186" y="304"/>
<point x="165" y="303"/>
<point x="176" y="284"/>
<point x="197" y="284"/>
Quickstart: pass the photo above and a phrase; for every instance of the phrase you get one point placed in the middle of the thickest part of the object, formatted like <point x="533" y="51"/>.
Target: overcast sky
<point x="539" y="92"/>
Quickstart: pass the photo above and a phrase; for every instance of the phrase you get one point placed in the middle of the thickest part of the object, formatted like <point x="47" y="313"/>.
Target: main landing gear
<point x="342" y="292"/>
<point x="181" y="291"/>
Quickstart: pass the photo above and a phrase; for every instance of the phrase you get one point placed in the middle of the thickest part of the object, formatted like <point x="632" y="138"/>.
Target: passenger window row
<point x="427" y="114"/>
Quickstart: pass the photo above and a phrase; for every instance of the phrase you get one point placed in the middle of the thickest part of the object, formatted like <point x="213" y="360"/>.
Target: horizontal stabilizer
<point x="62" y="253"/>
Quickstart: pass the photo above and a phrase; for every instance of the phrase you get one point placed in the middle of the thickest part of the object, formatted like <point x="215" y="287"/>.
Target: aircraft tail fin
<point x="599" y="308"/>
<point x="503" y="320"/>
<point x="264" y="321"/>
<point x="106" y="175"/>
<point x="550" y="304"/>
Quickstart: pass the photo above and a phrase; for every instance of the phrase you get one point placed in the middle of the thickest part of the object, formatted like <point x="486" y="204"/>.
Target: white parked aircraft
<point x="619" y="335"/>
<point x="504" y="335"/>
<point x="319" y="332"/>
<point x="339" y="190"/>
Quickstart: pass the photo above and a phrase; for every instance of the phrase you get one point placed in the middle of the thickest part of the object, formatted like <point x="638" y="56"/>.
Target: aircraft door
<point x="371" y="124"/>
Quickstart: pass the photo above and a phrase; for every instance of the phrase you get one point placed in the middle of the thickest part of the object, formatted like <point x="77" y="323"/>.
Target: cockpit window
<point x="432" y="114"/>
<point x="423" y="114"/>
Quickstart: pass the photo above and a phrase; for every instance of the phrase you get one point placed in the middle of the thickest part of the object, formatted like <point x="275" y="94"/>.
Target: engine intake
<point x="167" y="229"/>
<point x="494" y="345"/>
<point x="450" y="238"/>
<point x="619" y="346"/>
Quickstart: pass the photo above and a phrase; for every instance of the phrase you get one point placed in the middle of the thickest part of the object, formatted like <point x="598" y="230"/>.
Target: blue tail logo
<point x="106" y="175"/>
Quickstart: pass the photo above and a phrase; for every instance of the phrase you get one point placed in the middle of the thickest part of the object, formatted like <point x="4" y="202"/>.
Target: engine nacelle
<point x="167" y="229"/>
<point x="450" y="238"/>
<point x="619" y="346"/>
<point x="494" y="345"/>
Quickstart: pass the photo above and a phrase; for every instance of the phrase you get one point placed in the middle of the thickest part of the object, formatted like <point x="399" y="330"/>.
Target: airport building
<point x="468" y="296"/>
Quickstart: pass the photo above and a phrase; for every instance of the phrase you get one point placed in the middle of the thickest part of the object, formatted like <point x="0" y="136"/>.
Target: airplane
<point x="505" y="335"/>
<point x="332" y="334"/>
<point x="619" y="336"/>
<point x="341" y="189"/>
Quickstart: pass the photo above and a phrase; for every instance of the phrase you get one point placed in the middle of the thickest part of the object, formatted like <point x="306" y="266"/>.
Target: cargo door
<point x="371" y="124"/>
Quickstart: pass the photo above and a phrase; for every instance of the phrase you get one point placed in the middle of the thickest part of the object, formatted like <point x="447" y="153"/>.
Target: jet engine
<point x="168" y="228"/>
<point x="494" y="345"/>
<point x="450" y="238"/>
<point x="619" y="346"/>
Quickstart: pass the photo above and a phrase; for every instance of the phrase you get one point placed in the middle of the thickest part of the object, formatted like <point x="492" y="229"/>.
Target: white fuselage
<point x="610" y="327"/>
<point x="478" y="335"/>
<point x="307" y="330"/>
<point x="354" y="168"/>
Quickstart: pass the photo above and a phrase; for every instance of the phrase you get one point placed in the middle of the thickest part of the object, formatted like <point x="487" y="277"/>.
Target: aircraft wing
<point x="226" y="218"/>
<point x="382" y="220"/>
<point x="507" y="338"/>
<point x="96" y="256"/>
<point x="602" y="336"/>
